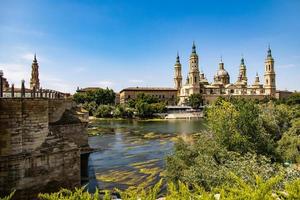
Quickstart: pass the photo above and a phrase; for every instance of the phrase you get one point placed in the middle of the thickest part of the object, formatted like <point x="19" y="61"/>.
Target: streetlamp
<point x="1" y="83"/>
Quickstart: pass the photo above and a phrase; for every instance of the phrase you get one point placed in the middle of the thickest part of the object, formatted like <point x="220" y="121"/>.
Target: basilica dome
<point x="222" y="72"/>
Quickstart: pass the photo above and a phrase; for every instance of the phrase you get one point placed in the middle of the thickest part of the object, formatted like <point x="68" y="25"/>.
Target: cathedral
<point x="197" y="83"/>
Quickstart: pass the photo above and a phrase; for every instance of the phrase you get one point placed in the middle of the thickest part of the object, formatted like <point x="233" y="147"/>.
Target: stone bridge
<point x="41" y="140"/>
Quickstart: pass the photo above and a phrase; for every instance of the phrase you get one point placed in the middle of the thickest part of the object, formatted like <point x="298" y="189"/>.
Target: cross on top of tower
<point x="269" y="52"/>
<point x="177" y="59"/>
<point x="34" y="59"/>
<point x="194" y="47"/>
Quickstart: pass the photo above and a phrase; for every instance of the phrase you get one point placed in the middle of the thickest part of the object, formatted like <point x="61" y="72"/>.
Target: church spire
<point x="34" y="59"/>
<point x="34" y="81"/>
<point x="177" y="59"/>
<point x="243" y="70"/>
<point x="194" y="47"/>
<point x="242" y="60"/>
<point x="269" y="52"/>
<point x="256" y="78"/>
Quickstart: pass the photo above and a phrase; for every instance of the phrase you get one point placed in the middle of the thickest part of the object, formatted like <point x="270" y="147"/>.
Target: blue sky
<point x="134" y="43"/>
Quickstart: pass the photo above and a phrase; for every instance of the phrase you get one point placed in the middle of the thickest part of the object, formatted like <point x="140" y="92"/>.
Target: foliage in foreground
<point x="239" y="189"/>
<point x="243" y="138"/>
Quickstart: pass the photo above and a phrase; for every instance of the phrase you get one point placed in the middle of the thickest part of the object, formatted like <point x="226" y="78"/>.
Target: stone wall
<point x="57" y="107"/>
<point x="38" y="154"/>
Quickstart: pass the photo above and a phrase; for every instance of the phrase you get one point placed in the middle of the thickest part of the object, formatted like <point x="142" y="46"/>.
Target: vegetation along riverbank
<point x="250" y="150"/>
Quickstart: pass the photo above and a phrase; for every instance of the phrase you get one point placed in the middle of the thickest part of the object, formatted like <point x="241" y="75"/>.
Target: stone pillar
<point x="23" y="91"/>
<point x="41" y="93"/>
<point x="1" y="83"/>
<point x="33" y="92"/>
<point x="12" y="90"/>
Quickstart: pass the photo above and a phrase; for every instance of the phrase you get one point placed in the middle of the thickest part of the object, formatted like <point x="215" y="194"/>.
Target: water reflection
<point x="132" y="152"/>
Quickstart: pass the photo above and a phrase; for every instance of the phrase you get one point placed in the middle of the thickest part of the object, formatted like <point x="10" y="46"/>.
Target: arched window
<point x="267" y="81"/>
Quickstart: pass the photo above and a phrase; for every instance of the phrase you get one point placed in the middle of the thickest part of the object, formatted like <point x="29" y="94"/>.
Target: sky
<point x="123" y="43"/>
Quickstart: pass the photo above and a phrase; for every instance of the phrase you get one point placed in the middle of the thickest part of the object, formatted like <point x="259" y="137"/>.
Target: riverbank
<point x="172" y="116"/>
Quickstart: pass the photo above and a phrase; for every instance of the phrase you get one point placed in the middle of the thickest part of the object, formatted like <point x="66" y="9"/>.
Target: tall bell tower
<point x="35" y="81"/>
<point x="243" y="70"/>
<point x="270" y="76"/>
<point x="178" y="76"/>
<point x="194" y="76"/>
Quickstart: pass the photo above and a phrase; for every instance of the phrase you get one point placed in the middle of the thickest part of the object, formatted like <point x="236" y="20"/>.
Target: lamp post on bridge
<point x="1" y="83"/>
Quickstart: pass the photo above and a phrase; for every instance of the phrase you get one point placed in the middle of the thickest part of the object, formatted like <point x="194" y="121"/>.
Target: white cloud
<point x="15" y="72"/>
<point x="136" y="81"/>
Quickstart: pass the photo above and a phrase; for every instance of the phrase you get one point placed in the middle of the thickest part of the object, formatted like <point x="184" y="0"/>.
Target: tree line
<point x="101" y="103"/>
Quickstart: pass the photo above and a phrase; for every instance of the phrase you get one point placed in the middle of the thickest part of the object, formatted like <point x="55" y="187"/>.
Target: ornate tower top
<point x="256" y="78"/>
<point x="34" y="59"/>
<point x="177" y="59"/>
<point x="269" y="56"/>
<point x="221" y="64"/>
<point x="194" y="53"/>
<point x="242" y="61"/>
<point x="194" y="47"/>
<point x="35" y="81"/>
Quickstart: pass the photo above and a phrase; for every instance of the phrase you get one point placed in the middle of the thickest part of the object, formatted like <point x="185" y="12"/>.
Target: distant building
<point x="117" y="98"/>
<point x="283" y="94"/>
<point x="196" y="82"/>
<point x="168" y="95"/>
<point x="84" y="90"/>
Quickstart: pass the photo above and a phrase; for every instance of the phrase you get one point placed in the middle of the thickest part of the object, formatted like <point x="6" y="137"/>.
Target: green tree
<point x="289" y="144"/>
<point x="100" y="96"/>
<point x="103" y="111"/>
<point x="195" y="100"/>
<point x="80" y="98"/>
<point x="294" y="99"/>
<point x="144" y="109"/>
<point x="91" y="107"/>
<point x="207" y="163"/>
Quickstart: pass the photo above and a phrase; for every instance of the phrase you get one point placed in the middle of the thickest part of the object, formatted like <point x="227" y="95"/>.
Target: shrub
<point x="103" y="111"/>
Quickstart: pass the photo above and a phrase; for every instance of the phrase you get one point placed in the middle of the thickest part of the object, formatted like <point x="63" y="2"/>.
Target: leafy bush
<point x="99" y="96"/>
<point x="289" y="145"/>
<point x="239" y="189"/>
<point x="294" y="99"/>
<point x="91" y="107"/>
<point x="121" y="111"/>
<point x="195" y="100"/>
<point x="103" y="111"/>
<point x="207" y="163"/>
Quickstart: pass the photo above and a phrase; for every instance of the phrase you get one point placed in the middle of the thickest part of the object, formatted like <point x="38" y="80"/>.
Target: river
<point x="132" y="152"/>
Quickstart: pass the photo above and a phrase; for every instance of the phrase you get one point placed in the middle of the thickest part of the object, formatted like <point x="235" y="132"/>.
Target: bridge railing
<point x="23" y="92"/>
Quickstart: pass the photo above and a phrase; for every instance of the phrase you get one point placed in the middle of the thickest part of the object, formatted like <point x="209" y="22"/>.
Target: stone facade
<point x="197" y="83"/>
<point x="168" y="95"/>
<point x="40" y="145"/>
